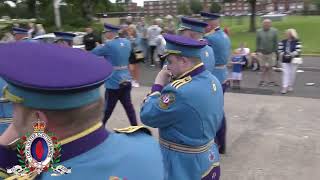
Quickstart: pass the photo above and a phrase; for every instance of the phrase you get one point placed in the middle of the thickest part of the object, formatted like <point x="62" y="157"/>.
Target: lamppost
<point x="57" y="18"/>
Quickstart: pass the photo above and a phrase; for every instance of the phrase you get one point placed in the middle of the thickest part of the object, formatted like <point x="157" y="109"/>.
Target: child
<point x="237" y="63"/>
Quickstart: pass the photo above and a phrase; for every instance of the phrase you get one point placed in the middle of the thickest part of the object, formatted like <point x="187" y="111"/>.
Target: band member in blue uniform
<point x="19" y="33"/>
<point x="118" y="87"/>
<point x="62" y="87"/>
<point x="195" y="29"/>
<point x="221" y="45"/>
<point x="64" y="38"/>
<point x="187" y="112"/>
<point x="5" y="109"/>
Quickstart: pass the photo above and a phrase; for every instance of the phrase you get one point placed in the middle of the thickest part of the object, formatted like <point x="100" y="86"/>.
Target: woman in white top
<point x="289" y="51"/>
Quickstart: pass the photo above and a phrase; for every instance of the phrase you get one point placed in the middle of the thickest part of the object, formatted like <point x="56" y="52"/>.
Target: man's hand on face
<point x="164" y="76"/>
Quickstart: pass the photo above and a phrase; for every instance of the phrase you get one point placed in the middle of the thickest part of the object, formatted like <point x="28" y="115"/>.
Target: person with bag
<point x="289" y="51"/>
<point x="136" y="55"/>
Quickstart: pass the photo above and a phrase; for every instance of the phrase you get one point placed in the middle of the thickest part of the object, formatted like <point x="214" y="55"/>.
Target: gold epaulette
<point x="30" y="176"/>
<point x="209" y="33"/>
<point x="6" y="120"/>
<point x="133" y="129"/>
<point x="180" y="82"/>
<point x="3" y="173"/>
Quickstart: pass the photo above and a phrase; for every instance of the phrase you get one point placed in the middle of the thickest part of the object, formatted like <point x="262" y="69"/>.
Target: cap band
<point x="183" y="50"/>
<point x="52" y="101"/>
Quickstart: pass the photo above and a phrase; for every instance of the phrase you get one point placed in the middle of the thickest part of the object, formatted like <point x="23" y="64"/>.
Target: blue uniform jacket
<point x="207" y="57"/>
<point x="221" y="46"/>
<point x="6" y="109"/>
<point x="117" y="51"/>
<point x="187" y="112"/>
<point x="127" y="154"/>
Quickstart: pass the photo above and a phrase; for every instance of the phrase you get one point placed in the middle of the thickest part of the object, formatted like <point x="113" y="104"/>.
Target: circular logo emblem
<point x="39" y="150"/>
<point x="166" y="100"/>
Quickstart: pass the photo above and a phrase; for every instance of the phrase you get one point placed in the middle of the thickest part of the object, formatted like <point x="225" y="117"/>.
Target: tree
<point x="32" y="8"/>
<point x="253" y="4"/>
<point x="215" y="7"/>
<point x="317" y="3"/>
<point x="183" y="8"/>
<point x="195" y="6"/>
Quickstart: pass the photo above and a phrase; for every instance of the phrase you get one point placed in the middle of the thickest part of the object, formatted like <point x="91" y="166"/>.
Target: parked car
<point x="50" y="38"/>
<point x="46" y="38"/>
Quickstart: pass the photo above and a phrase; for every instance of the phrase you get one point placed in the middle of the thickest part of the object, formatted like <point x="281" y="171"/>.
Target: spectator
<point x="142" y="32"/>
<point x="31" y="30"/>
<point x="289" y="51"/>
<point x="39" y="30"/>
<point x="90" y="40"/>
<point x="161" y="46"/>
<point x="19" y="33"/>
<point x="136" y="55"/>
<point x="8" y="37"/>
<point x="129" y="20"/>
<point x="123" y="33"/>
<point x="244" y="52"/>
<point x="266" y="43"/>
<point x="152" y="34"/>
<point x="171" y="25"/>
<point x="237" y="63"/>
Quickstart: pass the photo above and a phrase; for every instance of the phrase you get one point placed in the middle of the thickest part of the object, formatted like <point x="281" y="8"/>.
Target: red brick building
<point x="165" y="7"/>
<point x="161" y="8"/>
<point x="130" y="7"/>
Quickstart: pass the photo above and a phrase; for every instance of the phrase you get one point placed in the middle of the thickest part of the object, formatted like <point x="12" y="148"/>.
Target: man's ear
<point x="42" y="116"/>
<point x="185" y="61"/>
<point x="182" y="60"/>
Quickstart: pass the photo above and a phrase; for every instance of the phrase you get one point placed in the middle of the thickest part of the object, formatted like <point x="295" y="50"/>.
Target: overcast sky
<point x="140" y="2"/>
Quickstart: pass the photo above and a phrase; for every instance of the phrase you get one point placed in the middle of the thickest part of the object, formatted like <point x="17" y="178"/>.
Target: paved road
<point x="311" y="68"/>
<point x="269" y="137"/>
